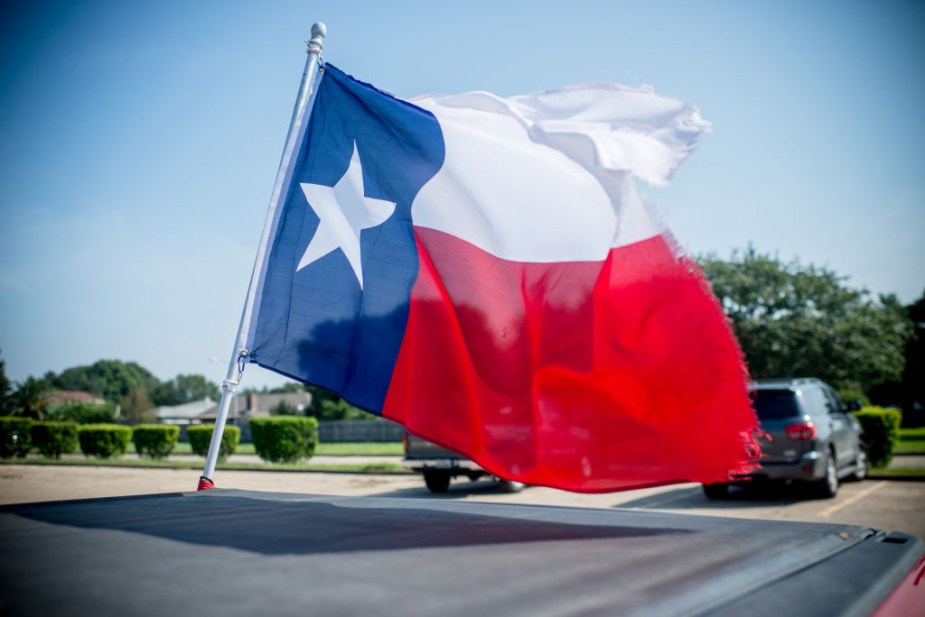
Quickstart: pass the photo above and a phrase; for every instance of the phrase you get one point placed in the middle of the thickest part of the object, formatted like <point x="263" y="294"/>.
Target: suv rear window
<point x="775" y="404"/>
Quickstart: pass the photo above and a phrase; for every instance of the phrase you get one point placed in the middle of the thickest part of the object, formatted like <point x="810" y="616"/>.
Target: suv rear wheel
<point x="828" y="486"/>
<point x="510" y="486"/>
<point x="860" y="466"/>
<point x="718" y="490"/>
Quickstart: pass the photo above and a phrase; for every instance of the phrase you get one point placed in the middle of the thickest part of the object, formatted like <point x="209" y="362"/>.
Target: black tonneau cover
<point x="228" y="552"/>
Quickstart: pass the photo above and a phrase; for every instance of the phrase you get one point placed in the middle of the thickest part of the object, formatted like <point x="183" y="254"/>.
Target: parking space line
<point x="856" y="497"/>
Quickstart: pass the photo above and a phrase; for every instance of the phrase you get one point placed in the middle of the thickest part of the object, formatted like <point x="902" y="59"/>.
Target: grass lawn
<point x="911" y="472"/>
<point x="323" y="449"/>
<point x="389" y="448"/>
<point x="345" y="450"/>
<point x="184" y="448"/>
<point x="911" y="441"/>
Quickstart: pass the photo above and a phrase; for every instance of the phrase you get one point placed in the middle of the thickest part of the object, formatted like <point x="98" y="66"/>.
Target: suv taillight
<point x="801" y="431"/>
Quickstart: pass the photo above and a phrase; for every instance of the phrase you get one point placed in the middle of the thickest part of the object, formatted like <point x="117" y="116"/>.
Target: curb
<point x="894" y="477"/>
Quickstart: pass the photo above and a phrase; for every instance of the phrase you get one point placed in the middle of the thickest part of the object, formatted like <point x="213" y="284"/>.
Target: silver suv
<point x="809" y="437"/>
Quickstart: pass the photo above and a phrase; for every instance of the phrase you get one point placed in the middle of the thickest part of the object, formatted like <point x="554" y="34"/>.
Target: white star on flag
<point x="344" y="211"/>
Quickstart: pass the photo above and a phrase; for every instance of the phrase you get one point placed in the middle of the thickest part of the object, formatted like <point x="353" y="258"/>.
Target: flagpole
<point x="239" y="353"/>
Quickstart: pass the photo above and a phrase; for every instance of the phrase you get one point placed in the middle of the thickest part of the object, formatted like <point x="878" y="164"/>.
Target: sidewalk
<point x="907" y="460"/>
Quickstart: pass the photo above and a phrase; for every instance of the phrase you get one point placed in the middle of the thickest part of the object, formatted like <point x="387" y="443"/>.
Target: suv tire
<point x="510" y="486"/>
<point x="860" y="466"/>
<point x="719" y="490"/>
<point x="827" y="487"/>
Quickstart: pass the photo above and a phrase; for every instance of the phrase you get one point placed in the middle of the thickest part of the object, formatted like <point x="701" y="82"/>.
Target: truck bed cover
<point x="228" y="552"/>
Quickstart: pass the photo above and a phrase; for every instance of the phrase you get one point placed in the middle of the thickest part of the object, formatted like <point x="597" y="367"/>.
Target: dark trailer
<point x="228" y="552"/>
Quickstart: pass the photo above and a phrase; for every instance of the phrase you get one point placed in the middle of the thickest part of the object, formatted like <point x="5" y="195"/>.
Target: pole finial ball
<point x="319" y="29"/>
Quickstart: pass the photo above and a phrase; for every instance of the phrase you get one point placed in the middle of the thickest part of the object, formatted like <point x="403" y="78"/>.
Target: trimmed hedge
<point x="284" y="439"/>
<point x="200" y="437"/>
<point x="881" y="433"/>
<point x="53" y="439"/>
<point x="155" y="441"/>
<point x="15" y="436"/>
<point x="104" y="440"/>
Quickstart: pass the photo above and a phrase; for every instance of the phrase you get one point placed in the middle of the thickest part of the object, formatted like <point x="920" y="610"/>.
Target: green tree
<point x="137" y="407"/>
<point x="340" y="410"/>
<point x="320" y="397"/>
<point x="290" y="387"/>
<point x="6" y="404"/>
<point x="109" y="379"/>
<point x="909" y="391"/>
<point x="28" y="400"/>
<point x="284" y="408"/>
<point x="793" y="320"/>
<point x="184" y="389"/>
<point x="914" y="375"/>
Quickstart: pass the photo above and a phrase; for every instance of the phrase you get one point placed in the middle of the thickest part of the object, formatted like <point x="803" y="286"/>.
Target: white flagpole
<point x="239" y="353"/>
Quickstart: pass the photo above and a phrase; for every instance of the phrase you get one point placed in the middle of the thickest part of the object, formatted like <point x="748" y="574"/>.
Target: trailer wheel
<point x="437" y="480"/>
<point x="510" y="486"/>
<point x="717" y="490"/>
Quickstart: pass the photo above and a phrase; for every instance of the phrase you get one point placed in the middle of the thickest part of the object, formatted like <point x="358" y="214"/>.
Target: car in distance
<point x="439" y="465"/>
<point x="808" y="437"/>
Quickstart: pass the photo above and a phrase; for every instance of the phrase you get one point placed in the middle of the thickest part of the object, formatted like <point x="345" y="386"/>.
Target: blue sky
<point x="139" y="142"/>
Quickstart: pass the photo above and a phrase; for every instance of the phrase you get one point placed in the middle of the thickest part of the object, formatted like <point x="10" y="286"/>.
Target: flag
<point x="483" y="271"/>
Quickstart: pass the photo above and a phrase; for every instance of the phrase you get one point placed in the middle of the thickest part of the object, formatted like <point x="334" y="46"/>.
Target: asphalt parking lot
<point x="880" y="504"/>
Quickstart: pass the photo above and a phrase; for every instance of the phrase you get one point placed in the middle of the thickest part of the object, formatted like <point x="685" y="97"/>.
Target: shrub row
<point x="881" y="433"/>
<point x="53" y="439"/>
<point x="277" y="439"/>
<point x="284" y="439"/>
<point x="200" y="438"/>
<point x="104" y="440"/>
<point x="18" y="436"/>
<point x="155" y="441"/>
<point x="15" y="437"/>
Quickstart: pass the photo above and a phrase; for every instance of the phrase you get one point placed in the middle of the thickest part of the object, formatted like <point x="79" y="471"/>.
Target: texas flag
<point x="484" y="272"/>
